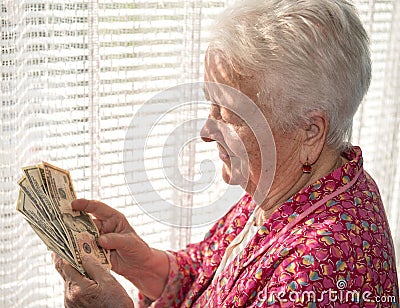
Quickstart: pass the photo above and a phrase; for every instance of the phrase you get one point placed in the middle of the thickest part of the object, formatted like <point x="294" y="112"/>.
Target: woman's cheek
<point x="241" y="142"/>
<point x="237" y="147"/>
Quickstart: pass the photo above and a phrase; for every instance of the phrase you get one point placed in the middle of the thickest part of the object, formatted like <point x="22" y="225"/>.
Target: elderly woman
<point x="319" y="236"/>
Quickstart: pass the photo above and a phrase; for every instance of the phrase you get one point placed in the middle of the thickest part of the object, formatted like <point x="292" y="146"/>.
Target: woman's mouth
<point x="223" y="154"/>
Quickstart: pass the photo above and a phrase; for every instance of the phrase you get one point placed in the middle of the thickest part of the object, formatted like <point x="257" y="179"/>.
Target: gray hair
<point x="305" y="55"/>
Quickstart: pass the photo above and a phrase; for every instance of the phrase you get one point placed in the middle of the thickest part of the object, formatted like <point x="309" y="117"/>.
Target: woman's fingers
<point x="116" y="241"/>
<point x="67" y="272"/>
<point x="98" y="209"/>
<point x="100" y="290"/>
<point x="98" y="224"/>
<point x="94" y="269"/>
<point x="59" y="264"/>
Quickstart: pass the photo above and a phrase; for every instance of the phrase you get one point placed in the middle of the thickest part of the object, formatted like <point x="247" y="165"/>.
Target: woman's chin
<point x="229" y="178"/>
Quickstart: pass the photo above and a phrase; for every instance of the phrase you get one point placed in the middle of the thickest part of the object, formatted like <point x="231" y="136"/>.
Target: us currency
<point x="34" y="178"/>
<point x="63" y="253"/>
<point x="43" y="217"/>
<point x="36" y="185"/>
<point x="30" y="210"/>
<point x="80" y="227"/>
<point x="41" y="227"/>
<point x="45" y="196"/>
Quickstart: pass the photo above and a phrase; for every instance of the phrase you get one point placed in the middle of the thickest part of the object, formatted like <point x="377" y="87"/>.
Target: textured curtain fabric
<point x="377" y="122"/>
<point x="73" y="74"/>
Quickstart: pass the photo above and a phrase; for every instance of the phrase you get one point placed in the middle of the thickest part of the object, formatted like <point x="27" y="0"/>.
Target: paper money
<point x="29" y="209"/>
<point x="45" y="197"/>
<point x="48" y="217"/>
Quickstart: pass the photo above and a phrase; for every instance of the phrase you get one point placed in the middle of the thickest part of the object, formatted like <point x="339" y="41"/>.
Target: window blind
<point x="73" y="76"/>
<point x="376" y="125"/>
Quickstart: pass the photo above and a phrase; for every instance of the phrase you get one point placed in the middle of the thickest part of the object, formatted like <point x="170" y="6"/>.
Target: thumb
<point x="94" y="269"/>
<point x="116" y="241"/>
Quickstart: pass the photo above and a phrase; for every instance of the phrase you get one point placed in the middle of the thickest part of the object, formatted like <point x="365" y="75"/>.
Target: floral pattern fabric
<point x="338" y="254"/>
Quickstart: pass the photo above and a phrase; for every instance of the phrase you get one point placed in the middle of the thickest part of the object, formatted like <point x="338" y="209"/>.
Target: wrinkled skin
<point x="131" y="257"/>
<point x="101" y="289"/>
<point x="128" y="250"/>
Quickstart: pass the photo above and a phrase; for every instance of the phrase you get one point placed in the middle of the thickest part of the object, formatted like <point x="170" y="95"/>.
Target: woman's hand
<point x="128" y="250"/>
<point x="131" y="257"/>
<point x="100" y="290"/>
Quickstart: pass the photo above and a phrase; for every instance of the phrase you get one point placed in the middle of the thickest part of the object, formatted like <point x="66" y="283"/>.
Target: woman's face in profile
<point x="255" y="156"/>
<point x="237" y="145"/>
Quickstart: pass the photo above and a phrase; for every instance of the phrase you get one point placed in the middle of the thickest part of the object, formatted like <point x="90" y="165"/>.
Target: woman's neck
<point x="285" y="187"/>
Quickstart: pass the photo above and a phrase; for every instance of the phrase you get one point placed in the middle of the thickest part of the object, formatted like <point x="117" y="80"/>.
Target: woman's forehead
<point x="229" y="100"/>
<point x="218" y="70"/>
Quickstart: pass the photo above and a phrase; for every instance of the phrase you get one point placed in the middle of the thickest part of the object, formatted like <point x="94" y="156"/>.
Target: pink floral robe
<point x="335" y="254"/>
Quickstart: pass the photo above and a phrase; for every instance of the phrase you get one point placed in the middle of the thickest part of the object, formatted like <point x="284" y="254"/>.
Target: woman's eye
<point x="231" y="118"/>
<point x="225" y="115"/>
<point x="215" y="112"/>
<point x="227" y="120"/>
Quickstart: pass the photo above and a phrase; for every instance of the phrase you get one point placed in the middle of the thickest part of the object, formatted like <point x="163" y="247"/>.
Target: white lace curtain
<point x="72" y="75"/>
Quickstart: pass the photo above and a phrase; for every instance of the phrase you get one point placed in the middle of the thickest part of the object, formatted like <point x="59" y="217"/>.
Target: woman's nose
<point x="208" y="132"/>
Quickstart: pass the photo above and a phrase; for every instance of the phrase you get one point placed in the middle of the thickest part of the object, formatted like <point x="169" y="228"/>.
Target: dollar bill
<point x="80" y="226"/>
<point x="45" y="197"/>
<point x="64" y="253"/>
<point x="29" y="209"/>
<point x="34" y="178"/>
<point x="50" y="222"/>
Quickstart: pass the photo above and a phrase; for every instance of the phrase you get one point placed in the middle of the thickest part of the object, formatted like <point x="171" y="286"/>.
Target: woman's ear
<point x="314" y="137"/>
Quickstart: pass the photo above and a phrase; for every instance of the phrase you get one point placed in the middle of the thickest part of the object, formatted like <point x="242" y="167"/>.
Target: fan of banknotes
<point x="45" y="196"/>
